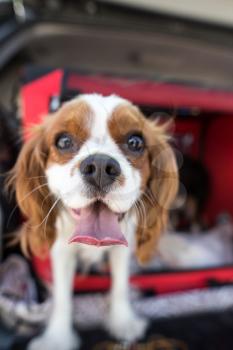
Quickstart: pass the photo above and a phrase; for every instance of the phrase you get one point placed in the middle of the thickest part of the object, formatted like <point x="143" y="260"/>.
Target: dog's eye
<point x="64" y="142"/>
<point x="136" y="143"/>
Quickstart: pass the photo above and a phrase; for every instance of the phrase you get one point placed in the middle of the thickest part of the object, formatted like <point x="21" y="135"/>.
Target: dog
<point x="95" y="177"/>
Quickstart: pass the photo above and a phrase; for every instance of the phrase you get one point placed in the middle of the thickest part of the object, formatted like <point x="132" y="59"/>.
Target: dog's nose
<point x="100" y="170"/>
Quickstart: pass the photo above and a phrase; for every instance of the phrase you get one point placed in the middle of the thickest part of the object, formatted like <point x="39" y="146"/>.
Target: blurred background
<point x="153" y="39"/>
<point x="174" y="60"/>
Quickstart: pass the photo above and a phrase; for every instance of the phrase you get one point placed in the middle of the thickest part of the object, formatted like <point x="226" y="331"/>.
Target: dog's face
<point x="97" y="152"/>
<point x="100" y="159"/>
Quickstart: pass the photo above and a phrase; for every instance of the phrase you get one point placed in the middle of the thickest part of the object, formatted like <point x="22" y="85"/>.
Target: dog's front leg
<point x="123" y="323"/>
<point x="59" y="334"/>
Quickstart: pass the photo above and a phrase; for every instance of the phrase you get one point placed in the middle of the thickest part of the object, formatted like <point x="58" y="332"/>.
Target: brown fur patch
<point x="74" y="119"/>
<point x="28" y="175"/>
<point x="159" y="193"/>
<point x="125" y="120"/>
<point x="159" y="179"/>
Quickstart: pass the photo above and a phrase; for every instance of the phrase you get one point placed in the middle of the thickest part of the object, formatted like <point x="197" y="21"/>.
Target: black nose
<point x="100" y="170"/>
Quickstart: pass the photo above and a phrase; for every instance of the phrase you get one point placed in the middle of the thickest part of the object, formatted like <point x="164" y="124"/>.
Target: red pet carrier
<point x="205" y="114"/>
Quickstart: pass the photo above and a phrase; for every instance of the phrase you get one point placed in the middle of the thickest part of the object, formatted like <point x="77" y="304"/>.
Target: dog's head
<point x="101" y="160"/>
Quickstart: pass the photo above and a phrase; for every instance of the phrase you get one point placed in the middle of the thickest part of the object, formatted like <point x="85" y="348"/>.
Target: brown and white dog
<point x="95" y="177"/>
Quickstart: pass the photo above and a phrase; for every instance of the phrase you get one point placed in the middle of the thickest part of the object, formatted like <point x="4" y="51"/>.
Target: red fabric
<point x="219" y="161"/>
<point x="192" y="127"/>
<point x="161" y="283"/>
<point x="36" y="96"/>
<point x="155" y="93"/>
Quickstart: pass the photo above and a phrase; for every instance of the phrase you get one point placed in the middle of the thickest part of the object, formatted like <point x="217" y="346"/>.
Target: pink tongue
<point x="97" y="225"/>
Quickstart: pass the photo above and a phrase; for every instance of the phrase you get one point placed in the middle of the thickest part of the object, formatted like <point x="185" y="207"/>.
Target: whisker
<point x="48" y="195"/>
<point x="25" y="197"/>
<point x="141" y="210"/>
<point x="36" y="177"/>
<point x="150" y="197"/>
<point x="41" y="223"/>
<point x="139" y="213"/>
<point x="47" y="216"/>
<point x="35" y="189"/>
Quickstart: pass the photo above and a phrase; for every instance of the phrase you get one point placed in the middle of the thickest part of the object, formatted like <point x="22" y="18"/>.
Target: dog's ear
<point x="160" y="192"/>
<point x="28" y="180"/>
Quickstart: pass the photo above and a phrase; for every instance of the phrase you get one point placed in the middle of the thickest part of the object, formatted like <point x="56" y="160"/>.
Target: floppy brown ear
<point x="33" y="196"/>
<point x="159" y="195"/>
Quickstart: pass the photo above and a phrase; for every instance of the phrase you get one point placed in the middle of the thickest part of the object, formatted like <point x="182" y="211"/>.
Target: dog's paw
<point x="60" y="341"/>
<point x="126" y="326"/>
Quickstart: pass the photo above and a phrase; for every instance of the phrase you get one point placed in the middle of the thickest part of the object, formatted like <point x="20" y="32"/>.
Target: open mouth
<point x="97" y="225"/>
